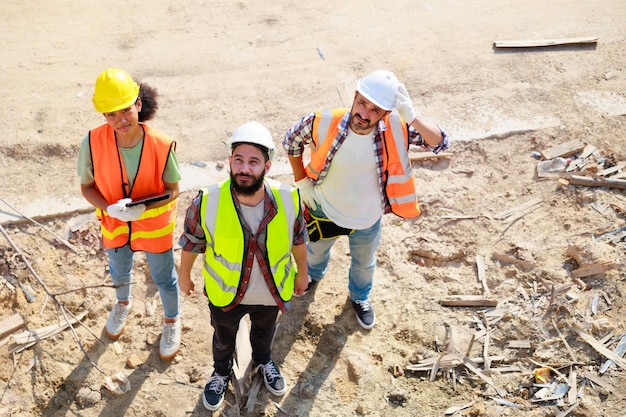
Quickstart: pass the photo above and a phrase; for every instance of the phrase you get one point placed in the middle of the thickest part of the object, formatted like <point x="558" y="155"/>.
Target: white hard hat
<point x="380" y="87"/>
<point x="254" y="133"/>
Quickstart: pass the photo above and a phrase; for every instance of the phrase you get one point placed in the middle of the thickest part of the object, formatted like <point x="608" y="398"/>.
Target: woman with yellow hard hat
<point x="129" y="172"/>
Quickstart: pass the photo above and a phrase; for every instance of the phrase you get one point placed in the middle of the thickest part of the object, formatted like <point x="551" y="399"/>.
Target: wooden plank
<point x="517" y="43"/>
<point x="423" y="156"/>
<point x="563" y="150"/>
<point x="594" y="269"/>
<point x="468" y="301"/>
<point x="11" y="324"/>
<point x="597" y="182"/>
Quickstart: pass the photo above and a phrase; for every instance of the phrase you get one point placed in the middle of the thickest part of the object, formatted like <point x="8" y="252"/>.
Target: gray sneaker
<point x="170" y="340"/>
<point x="117" y="320"/>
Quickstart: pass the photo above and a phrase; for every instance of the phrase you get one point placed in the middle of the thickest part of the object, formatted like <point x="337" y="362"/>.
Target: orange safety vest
<point x="399" y="184"/>
<point x="154" y="230"/>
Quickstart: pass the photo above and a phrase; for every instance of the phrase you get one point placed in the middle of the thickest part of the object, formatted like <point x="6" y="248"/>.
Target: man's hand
<point x="306" y="187"/>
<point x="185" y="284"/>
<point x="302" y="281"/>
<point x="405" y="105"/>
<point x="123" y="213"/>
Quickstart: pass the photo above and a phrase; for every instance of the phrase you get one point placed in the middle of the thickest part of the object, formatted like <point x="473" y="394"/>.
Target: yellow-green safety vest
<point x="224" y="255"/>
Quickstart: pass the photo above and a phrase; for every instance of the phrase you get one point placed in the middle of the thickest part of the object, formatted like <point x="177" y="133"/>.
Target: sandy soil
<point x="218" y="64"/>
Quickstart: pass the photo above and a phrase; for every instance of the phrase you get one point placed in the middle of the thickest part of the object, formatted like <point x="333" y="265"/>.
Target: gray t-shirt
<point x="257" y="292"/>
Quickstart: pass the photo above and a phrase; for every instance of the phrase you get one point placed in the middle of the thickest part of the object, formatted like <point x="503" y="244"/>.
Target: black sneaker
<point x="364" y="313"/>
<point x="214" y="389"/>
<point x="311" y="286"/>
<point x="274" y="381"/>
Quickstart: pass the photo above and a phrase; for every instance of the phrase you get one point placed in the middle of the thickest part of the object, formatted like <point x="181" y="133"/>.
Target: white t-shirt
<point x="257" y="292"/>
<point x="350" y="195"/>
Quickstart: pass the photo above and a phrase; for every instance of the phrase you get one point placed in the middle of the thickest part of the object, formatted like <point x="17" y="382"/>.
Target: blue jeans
<point x="363" y="245"/>
<point x="163" y="271"/>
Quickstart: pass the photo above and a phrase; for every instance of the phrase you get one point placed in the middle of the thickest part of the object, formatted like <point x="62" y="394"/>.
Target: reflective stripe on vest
<point x="223" y="260"/>
<point x="398" y="172"/>
<point x="154" y="230"/>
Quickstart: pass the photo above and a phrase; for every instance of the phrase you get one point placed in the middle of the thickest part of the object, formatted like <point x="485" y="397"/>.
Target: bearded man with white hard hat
<point x="248" y="228"/>
<point x="359" y="170"/>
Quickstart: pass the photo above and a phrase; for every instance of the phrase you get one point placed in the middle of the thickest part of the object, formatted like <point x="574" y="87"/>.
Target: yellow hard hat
<point x="115" y="90"/>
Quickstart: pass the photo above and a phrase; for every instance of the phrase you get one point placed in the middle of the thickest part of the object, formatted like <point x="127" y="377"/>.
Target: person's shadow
<point x="331" y="340"/>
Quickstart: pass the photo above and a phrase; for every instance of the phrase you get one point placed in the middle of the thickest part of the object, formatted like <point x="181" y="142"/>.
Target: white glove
<point x="306" y="187"/>
<point x="123" y="213"/>
<point x="405" y="105"/>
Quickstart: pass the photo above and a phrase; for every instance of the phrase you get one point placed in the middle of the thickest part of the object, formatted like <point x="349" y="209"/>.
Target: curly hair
<point x="149" y="104"/>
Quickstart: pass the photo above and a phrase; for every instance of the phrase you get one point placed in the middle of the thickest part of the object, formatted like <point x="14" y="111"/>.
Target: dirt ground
<point x="218" y="64"/>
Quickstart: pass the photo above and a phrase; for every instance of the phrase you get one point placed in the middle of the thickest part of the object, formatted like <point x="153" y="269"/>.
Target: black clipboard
<point x="152" y="198"/>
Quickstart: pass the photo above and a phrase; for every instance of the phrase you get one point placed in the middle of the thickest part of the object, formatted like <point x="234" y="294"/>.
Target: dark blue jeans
<point x="226" y="324"/>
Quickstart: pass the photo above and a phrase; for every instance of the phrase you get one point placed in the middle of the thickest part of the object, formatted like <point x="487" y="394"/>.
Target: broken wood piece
<point x="515" y="211"/>
<point x="567" y="346"/>
<point x="563" y="150"/>
<point x="449" y="361"/>
<point x="594" y="269"/>
<point x="598" y="380"/>
<point x="257" y="381"/>
<point x="486" y="343"/>
<point x="517" y="43"/>
<point x="11" y="324"/>
<point x="422" y="156"/>
<point x="597" y="182"/>
<point x="619" y="350"/>
<point x="425" y="253"/>
<point x="468" y="301"/>
<point x="512" y="260"/>
<point x="571" y="394"/>
<point x="612" y="170"/>
<point x="589" y="149"/>
<point x="575" y="252"/>
<point x="519" y="344"/>
<point x="472" y="367"/>
<point x="482" y="278"/>
<point x="35" y="335"/>
<point x="435" y="367"/>
<point x="566" y="412"/>
<point x="598" y="346"/>
<point x="454" y="409"/>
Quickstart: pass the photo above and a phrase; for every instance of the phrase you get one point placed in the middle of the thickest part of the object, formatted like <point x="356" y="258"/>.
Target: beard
<point x="358" y="125"/>
<point x="243" y="186"/>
